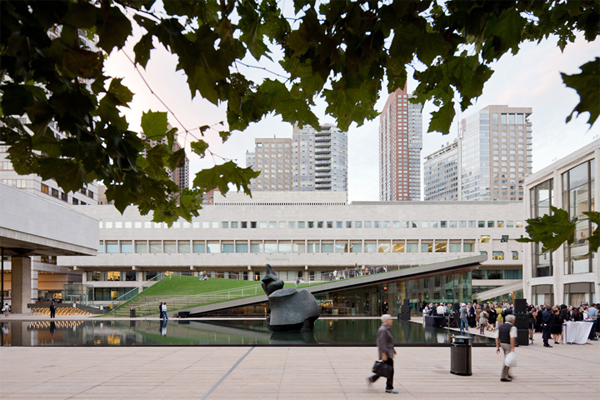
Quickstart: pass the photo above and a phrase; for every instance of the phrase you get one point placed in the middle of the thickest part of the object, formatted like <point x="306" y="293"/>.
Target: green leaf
<point x="14" y="99"/>
<point x="114" y="28"/>
<point x="142" y="49"/>
<point x="441" y="120"/>
<point x="587" y="86"/>
<point x="199" y="147"/>
<point x="594" y="240"/>
<point x="82" y="63"/>
<point x="220" y="176"/>
<point x="551" y="230"/>
<point x="81" y="15"/>
<point x="154" y="125"/>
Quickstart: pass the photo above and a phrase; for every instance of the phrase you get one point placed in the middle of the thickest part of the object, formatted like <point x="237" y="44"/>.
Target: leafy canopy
<point x="338" y="50"/>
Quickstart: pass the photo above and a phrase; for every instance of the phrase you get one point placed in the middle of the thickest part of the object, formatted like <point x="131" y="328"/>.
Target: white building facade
<point x="441" y="174"/>
<point x="568" y="275"/>
<point x="306" y="235"/>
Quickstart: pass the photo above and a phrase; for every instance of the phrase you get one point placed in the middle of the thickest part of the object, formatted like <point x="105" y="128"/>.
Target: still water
<point x="249" y="332"/>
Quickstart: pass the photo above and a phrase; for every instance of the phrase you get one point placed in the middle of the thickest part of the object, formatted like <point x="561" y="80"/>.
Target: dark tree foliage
<point x="338" y="50"/>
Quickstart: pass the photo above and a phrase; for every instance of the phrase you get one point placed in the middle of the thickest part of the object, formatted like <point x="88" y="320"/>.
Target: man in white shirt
<point x="506" y="337"/>
<point x="441" y="309"/>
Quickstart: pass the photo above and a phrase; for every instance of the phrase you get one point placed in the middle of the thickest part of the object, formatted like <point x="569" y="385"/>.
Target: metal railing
<point x="134" y="292"/>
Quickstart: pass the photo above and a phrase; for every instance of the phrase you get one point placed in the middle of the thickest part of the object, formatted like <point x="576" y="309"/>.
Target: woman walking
<point x="483" y="316"/>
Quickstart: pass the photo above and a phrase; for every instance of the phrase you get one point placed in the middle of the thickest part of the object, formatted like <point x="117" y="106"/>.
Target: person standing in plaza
<point x="52" y="310"/>
<point x="165" y="311"/>
<point x="386" y="351"/>
<point x="6" y="310"/>
<point x="464" y="322"/>
<point x="160" y="310"/>
<point x="472" y="315"/>
<point x="593" y="318"/>
<point x="506" y="337"/>
<point x="546" y="316"/>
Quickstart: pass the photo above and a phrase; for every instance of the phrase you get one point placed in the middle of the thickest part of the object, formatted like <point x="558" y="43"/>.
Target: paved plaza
<point x="562" y="372"/>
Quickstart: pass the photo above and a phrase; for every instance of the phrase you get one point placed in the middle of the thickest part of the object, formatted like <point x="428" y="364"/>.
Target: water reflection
<point x="328" y="332"/>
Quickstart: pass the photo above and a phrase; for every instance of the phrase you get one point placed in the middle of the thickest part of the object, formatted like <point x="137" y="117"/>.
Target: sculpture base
<point x="307" y="325"/>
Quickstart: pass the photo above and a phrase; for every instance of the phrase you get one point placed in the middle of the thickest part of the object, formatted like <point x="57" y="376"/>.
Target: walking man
<point x="386" y="351"/>
<point x="164" y="312"/>
<point x="506" y="336"/>
<point x="464" y="322"/>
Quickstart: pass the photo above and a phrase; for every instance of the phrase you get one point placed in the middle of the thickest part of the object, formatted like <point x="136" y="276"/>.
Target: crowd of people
<point x="542" y="318"/>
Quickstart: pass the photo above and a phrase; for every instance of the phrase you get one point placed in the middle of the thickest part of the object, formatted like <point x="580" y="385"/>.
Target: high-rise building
<point x="273" y="158"/>
<point x="495" y="145"/>
<point x="311" y="161"/>
<point x="181" y="175"/>
<point x="400" y="144"/>
<point x="319" y="159"/>
<point x="441" y="174"/>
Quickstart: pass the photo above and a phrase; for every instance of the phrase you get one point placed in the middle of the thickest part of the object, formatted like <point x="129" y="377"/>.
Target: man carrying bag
<point x="385" y="352"/>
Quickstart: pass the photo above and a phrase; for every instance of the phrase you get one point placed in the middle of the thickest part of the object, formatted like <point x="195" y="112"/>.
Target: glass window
<point x="484" y="239"/>
<point x="376" y="224"/>
<point x="126" y="247"/>
<point x="468" y="246"/>
<point x="497" y="255"/>
<point x="454" y="247"/>
<point x="504" y="239"/>
<point x="396" y="224"/>
<point x="234" y="224"/>
<point x="358" y="224"/>
<point x="320" y="224"/>
<point x="472" y="224"/>
<point x="441" y="246"/>
<point x="443" y="224"/>
<point x="424" y="224"/>
<point x="341" y="247"/>
<point x="515" y="255"/>
<point x="291" y="225"/>
<point x="170" y="247"/>
<point x="301" y="224"/>
<point x="412" y="247"/>
<point x="356" y="247"/>
<point x="241" y="247"/>
<point x="414" y="224"/>
<point x="262" y="224"/>
<point x="313" y="247"/>
<point x="225" y="224"/>
<point x="387" y="224"/>
<point x="370" y="247"/>
<point x="215" y="225"/>
<point x="339" y="224"/>
<point x="452" y="224"/>
<point x="213" y="247"/>
<point x="199" y="247"/>
<point x="348" y="224"/>
<point x="244" y="224"/>
<point x="500" y="224"/>
<point x="253" y="224"/>
<point x="490" y="224"/>
<point x="367" y="224"/>
<point x="205" y="225"/>
<point x="256" y="247"/>
<point x="285" y="247"/>
<point x="282" y="224"/>
<point x="509" y="224"/>
<point x="270" y="247"/>
<point x="426" y="246"/>
<point x="311" y="224"/>
<point x="226" y="247"/>
<point x="272" y="224"/>
<point x="101" y="247"/>
<point x="155" y="246"/>
<point x="434" y="224"/>
<point x="183" y="247"/>
<point x="141" y="247"/>
<point x="519" y="224"/>
<point x="462" y="224"/>
<point x="481" y="224"/>
<point x="383" y="247"/>
<point x="326" y="247"/>
<point x="112" y="247"/>
<point x="299" y="247"/>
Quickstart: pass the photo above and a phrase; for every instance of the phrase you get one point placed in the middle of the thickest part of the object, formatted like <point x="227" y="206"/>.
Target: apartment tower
<point x="400" y="144"/>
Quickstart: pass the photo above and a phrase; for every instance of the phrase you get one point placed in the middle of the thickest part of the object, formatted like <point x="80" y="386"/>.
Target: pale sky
<point x="529" y="79"/>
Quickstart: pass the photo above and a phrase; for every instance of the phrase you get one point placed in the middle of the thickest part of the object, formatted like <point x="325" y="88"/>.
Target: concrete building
<point x="34" y="231"/>
<point x="273" y="157"/>
<point x="311" y="161"/>
<point x="568" y="275"/>
<point x="441" y="174"/>
<point x="400" y="144"/>
<point x="496" y="153"/>
<point x="306" y="235"/>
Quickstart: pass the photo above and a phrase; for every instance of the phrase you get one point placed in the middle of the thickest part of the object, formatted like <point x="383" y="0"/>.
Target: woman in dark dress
<point x="531" y="315"/>
<point x="555" y="325"/>
<point x="492" y="318"/>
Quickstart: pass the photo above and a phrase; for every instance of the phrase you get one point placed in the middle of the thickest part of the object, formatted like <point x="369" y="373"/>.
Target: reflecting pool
<point x="248" y="332"/>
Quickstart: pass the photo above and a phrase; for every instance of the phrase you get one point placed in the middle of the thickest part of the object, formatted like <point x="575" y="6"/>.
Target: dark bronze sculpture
<point x="291" y="310"/>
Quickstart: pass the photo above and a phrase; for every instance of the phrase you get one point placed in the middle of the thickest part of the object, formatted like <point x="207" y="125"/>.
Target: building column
<point x="21" y="284"/>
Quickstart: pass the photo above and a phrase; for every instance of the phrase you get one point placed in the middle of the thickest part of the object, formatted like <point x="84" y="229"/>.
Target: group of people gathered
<point x="549" y="320"/>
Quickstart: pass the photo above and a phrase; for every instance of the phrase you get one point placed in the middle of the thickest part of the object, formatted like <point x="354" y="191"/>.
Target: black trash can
<point x="132" y="313"/>
<point x="460" y="355"/>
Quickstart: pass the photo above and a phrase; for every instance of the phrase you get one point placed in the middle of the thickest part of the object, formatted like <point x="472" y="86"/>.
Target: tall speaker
<point x="521" y="322"/>
<point x="404" y="314"/>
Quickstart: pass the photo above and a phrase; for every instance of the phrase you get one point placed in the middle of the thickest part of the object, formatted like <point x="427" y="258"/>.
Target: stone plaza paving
<point x="561" y="372"/>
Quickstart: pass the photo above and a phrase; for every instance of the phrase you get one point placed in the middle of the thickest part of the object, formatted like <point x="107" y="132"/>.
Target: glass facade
<point x="368" y="301"/>
<point x="578" y="197"/>
<point x="542" y="198"/>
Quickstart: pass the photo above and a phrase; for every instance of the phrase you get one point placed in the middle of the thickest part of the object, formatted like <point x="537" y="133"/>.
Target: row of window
<point x="64" y="197"/>
<point x="314" y="224"/>
<point x="293" y="246"/>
